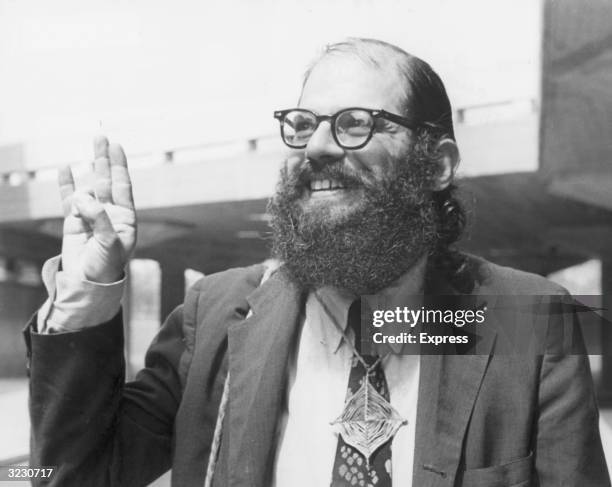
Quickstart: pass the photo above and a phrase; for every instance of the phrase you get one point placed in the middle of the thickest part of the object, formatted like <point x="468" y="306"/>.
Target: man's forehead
<point x="340" y="81"/>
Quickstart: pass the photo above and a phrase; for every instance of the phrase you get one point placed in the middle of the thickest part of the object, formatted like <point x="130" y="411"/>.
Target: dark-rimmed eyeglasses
<point x="352" y="128"/>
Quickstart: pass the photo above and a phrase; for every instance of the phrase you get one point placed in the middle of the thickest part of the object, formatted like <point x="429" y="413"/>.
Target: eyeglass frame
<point x="380" y="113"/>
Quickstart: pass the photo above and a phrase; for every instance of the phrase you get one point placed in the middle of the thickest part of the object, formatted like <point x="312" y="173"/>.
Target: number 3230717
<point x="18" y="473"/>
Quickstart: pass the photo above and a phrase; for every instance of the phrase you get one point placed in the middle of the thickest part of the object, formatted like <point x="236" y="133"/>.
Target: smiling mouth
<point x="325" y="185"/>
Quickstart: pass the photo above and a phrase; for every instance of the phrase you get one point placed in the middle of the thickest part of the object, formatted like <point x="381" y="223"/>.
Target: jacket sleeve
<point x="568" y="452"/>
<point x="86" y="421"/>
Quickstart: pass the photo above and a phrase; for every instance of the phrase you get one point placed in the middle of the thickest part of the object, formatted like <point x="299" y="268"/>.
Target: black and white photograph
<point x="274" y="243"/>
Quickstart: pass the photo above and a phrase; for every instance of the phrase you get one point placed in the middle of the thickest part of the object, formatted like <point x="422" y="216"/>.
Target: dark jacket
<point x="482" y="420"/>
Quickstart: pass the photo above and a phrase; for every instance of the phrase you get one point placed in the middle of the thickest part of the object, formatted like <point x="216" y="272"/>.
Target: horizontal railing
<point x="204" y="151"/>
<point x="471" y="114"/>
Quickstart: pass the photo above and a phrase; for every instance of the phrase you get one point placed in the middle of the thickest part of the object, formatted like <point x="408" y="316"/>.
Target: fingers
<point x="121" y="182"/>
<point x="103" y="184"/>
<point x="112" y="183"/>
<point x="92" y="212"/>
<point x="66" y="187"/>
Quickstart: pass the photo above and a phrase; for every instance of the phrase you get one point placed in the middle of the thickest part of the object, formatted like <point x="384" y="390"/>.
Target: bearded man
<point x="258" y="377"/>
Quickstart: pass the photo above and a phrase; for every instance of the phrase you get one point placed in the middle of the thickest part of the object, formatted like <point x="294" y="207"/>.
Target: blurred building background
<point x="189" y="90"/>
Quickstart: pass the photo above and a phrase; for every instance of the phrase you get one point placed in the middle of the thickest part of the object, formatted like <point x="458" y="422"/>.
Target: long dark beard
<point x="367" y="249"/>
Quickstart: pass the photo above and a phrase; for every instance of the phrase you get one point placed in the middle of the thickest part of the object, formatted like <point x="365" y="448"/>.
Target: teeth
<point x="325" y="184"/>
<point x="336" y="185"/>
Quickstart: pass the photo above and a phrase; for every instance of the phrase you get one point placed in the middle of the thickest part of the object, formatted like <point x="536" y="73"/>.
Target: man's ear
<point x="447" y="164"/>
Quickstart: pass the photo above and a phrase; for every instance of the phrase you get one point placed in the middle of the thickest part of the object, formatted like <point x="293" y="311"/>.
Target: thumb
<point x="92" y="211"/>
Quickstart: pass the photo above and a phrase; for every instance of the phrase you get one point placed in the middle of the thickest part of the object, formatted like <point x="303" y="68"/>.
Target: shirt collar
<point x="338" y="301"/>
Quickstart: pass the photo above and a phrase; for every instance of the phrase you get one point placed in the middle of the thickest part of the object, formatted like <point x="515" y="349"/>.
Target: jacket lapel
<point x="448" y="386"/>
<point x="259" y="349"/>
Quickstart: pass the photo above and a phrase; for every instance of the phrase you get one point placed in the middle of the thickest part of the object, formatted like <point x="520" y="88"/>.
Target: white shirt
<point x="74" y="301"/>
<point x="318" y="380"/>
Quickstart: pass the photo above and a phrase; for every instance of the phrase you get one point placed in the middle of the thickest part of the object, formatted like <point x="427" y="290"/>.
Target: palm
<point x="99" y="228"/>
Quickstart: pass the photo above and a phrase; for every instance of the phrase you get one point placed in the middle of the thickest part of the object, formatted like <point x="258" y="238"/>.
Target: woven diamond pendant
<point x="368" y="420"/>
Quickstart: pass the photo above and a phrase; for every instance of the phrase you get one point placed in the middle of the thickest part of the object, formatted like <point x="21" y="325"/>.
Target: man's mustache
<point x="302" y="174"/>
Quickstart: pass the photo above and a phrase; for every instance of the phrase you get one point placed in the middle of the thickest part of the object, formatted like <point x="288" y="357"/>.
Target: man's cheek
<point x="290" y="171"/>
<point x="374" y="166"/>
<point x="294" y="160"/>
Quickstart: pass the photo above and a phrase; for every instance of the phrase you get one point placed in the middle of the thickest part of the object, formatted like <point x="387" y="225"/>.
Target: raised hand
<point x="99" y="224"/>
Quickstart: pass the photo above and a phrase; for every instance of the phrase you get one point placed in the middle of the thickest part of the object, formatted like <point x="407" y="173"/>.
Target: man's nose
<point x="322" y="148"/>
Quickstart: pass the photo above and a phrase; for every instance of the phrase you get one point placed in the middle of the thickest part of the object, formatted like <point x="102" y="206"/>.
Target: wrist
<point x="105" y="277"/>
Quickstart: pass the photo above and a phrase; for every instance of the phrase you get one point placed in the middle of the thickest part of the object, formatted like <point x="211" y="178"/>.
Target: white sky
<point x="160" y="74"/>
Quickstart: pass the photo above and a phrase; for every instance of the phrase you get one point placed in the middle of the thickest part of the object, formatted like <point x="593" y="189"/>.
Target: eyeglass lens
<point x="352" y="127"/>
<point x="298" y="126"/>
